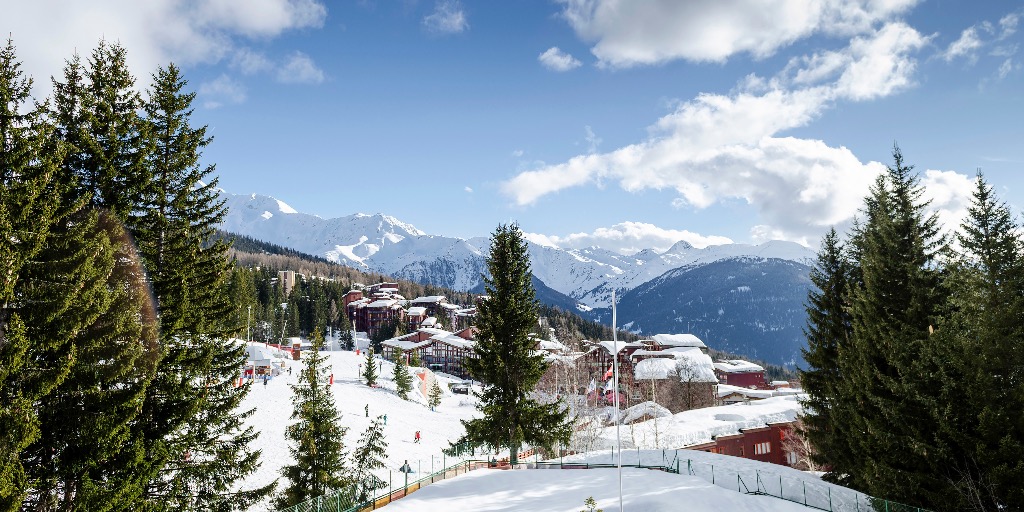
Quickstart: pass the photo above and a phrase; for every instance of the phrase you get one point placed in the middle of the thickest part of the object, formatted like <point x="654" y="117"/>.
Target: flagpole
<point x="615" y="370"/>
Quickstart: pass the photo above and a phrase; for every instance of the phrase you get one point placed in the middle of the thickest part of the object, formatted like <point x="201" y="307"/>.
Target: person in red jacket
<point x="417" y="438"/>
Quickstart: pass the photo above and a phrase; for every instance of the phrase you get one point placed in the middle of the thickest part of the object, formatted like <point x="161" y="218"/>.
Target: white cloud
<point x="629" y="33"/>
<point x="469" y="190"/>
<point x="250" y="62"/>
<point x="1005" y="68"/>
<point x="716" y="147"/>
<point x="155" y="32"/>
<point x="298" y="68"/>
<point x="966" y="46"/>
<point x="983" y="34"/>
<point x="556" y="60"/>
<point x="447" y="18"/>
<point x="628" y="238"/>
<point x="593" y="141"/>
<point x="950" y="194"/>
<point x="1008" y="24"/>
<point x="517" y="153"/>
<point x="221" y="91"/>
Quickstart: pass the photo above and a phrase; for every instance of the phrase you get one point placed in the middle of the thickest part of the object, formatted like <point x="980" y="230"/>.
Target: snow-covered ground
<point x="534" y="489"/>
<point x="645" y="490"/>
<point x="273" y="407"/>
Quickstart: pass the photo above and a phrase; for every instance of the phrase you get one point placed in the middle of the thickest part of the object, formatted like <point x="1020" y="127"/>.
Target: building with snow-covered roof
<point x="679" y="379"/>
<point x="737" y="372"/>
<point x="666" y="341"/>
<point x="437" y="349"/>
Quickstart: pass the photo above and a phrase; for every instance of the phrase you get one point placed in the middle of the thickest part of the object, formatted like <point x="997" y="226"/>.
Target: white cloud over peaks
<point x="447" y="18"/>
<point x="556" y="60"/>
<point x="298" y="68"/>
<point x="154" y="32"/>
<point x="716" y="146"/>
<point x="628" y="238"/>
<point x="628" y="33"/>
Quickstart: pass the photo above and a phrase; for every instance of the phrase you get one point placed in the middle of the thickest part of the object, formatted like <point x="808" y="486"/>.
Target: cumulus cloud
<point x="221" y="91"/>
<point x="556" y="60"/>
<point x="950" y="194"/>
<point x="447" y="18"/>
<point x="716" y="147"/>
<point x="469" y="190"/>
<point x="155" y="32"/>
<point x="652" y="32"/>
<point x="628" y="238"/>
<point x="298" y="68"/>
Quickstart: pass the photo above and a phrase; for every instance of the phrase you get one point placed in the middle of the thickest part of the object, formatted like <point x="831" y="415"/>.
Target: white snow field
<point x="536" y="489"/>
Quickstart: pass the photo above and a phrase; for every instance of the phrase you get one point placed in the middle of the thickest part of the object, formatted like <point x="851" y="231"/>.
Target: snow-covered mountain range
<point x="384" y="244"/>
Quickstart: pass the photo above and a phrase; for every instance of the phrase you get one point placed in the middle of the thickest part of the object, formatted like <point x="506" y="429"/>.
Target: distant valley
<point x="741" y="298"/>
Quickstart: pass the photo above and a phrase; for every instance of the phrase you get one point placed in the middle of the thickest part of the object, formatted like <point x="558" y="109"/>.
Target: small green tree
<point x="369" y="455"/>
<point x="435" y="395"/>
<point x="403" y="380"/>
<point x="414" y="359"/>
<point x="591" y="505"/>
<point x="316" y="437"/>
<point x="345" y="328"/>
<point x="370" y="370"/>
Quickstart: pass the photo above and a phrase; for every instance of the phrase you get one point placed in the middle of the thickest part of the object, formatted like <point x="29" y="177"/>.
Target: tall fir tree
<point x="316" y="436"/>
<point x="982" y="430"/>
<point x="87" y="457"/>
<point x="369" y="455"/>
<point x="893" y="310"/>
<point x="506" y="362"/>
<point x="828" y="334"/>
<point x="402" y="378"/>
<point x="29" y="208"/>
<point x="370" y="369"/>
<point x="117" y="144"/>
<point x="191" y="421"/>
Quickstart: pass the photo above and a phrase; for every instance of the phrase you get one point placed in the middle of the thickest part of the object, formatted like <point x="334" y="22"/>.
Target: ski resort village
<point x="716" y="433"/>
<point x="511" y="256"/>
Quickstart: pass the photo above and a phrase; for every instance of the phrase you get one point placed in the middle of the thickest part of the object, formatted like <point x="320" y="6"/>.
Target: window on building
<point x="762" y="448"/>
<point x="741" y="451"/>
<point x="791" y="458"/>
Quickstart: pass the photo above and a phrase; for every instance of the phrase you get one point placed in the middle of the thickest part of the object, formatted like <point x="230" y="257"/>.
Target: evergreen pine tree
<point x="506" y="362"/>
<point x="402" y="378"/>
<point x="316" y="436"/>
<point x="982" y="431"/>
<point x="345" y="327"/>
<point x="28" y="210"/>
<point x="435" y="394"/>
<point x="370" y="369"/>
<point x="87" y="457"/>
<point x="414" y="359"/>
<point x="370" y="453"/>
<point x="893" y="309"/>
<point x="193" y="429"/>
<point x="116" y="145"/>
<point x="828" y="331"/>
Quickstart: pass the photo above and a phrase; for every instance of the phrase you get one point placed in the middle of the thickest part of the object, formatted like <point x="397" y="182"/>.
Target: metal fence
<point x="347" y="499"/>
<point x="810" y="493"/>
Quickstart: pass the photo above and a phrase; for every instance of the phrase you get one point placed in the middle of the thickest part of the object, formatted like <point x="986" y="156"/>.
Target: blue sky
<point x="625" y="124"/>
